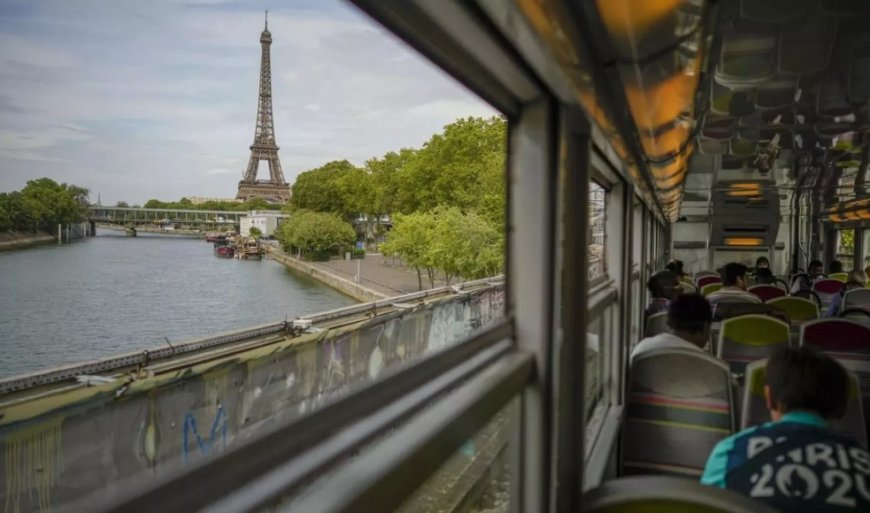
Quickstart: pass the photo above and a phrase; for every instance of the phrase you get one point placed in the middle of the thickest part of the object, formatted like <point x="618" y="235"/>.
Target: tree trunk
<point x="419" y="279"/>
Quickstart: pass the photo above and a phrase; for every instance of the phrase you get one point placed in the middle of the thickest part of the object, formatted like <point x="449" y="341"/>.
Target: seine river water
<point x="110" y="293"/>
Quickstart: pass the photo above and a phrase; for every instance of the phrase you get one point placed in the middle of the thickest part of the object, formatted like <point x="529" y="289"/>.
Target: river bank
<point x="13" y="240"/>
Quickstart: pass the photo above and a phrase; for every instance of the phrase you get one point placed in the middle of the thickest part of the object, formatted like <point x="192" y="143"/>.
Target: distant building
<point x="267" y="221"/>
<point x="196" y="200"/>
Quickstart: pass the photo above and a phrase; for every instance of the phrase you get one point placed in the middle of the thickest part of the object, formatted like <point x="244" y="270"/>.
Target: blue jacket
<point x="795" y="464"/>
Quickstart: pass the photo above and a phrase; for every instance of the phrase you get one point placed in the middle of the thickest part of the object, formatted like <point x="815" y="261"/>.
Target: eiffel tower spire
<point x="264" y="147"/>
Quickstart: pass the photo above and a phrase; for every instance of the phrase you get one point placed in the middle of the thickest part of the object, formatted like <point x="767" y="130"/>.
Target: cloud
<point x="159" y="100"/>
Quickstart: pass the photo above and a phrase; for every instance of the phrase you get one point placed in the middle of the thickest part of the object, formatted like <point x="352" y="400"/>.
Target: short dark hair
<point x="814" y="263"/>
<point x="676" y="267"/>
<point x="731" y="272"/>
<point x="659" y="281"/>
<point x="804" y="379"/>
<point x="689" y="312"/>
<point x="761" y="259"/>
<point x="836" y="266"/>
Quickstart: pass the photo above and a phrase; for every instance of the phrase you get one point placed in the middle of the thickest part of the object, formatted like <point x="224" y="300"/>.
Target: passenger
<point x="805" y="281"/>
<point x="835" y="267"/>
<point x="762" y="263"/>
<point x="734" y="284"/>
<point x="689" y="318"/>
<point x="796" y="463"/>
<point x="676" y="267"/>
<point x="763" y="276"/>
<point x="663" y="286"/>
<point x="855" y="275"/>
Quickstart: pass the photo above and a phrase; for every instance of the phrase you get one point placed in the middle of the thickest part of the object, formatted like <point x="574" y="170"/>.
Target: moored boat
<point x="223" y="249"/>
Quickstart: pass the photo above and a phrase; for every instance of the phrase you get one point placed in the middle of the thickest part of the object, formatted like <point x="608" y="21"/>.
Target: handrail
<point x="283" y="458"/>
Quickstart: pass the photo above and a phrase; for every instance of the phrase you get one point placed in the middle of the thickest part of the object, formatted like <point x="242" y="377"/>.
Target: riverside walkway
<point x="380" y="273"/>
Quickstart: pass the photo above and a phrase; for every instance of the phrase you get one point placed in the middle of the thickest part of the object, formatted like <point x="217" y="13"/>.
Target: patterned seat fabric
<point x="748" y="338"/>
<point x="797" y="308"/>
<point x="767" y="292"/>
<point x="755" y="410"/>
<point x="827" y="289"/>
<point x="679" y="406"/>
<point x="710" y="288"/>
<point x="706" y="280"/>
<point x="841" y="277"/>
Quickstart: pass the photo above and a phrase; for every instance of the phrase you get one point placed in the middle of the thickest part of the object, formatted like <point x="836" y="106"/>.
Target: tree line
<point x="42" y="205"/>
<point x="186" y="204"/>
<point x="446" y="201"/>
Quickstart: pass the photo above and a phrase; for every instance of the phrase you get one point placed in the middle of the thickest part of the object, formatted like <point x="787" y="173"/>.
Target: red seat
<point x="706" y="280"/>
<point x="828" y="286"/>
<point x="767" y="292"/>
<point x="840" y="338"/>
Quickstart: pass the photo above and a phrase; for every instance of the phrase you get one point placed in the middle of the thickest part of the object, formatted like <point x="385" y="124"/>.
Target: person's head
<point x="804" y="379"/>
<point x="664" y="284"/>
<point x="676" y="267"/>
<point x="734" y="275"/>
<point x="815" y="268"/>
<point x="762" y="263"/>
<point x="763" y="275"/>
<point x="835" y="267"/>
<point x="689" y="317"/>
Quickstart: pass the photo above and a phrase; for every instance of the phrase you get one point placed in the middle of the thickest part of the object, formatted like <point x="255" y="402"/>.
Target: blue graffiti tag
<point x="205" y="446"/>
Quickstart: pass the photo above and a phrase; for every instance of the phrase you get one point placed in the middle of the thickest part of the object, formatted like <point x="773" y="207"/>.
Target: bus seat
<point x="755" y="410"/>
<point x="797" y="308"/>
<point x="706" y="280"/>
<point x="700" y="274"/>
<point x="746" y="59"/>
<point x="805" y="47"/>
<point x="656" y="323"/>
<point x="679" y="406"/>
<point x="826" y="289"/>
<point x="774" y="11"/>
<point x="837" y="337"/>
<point x="767" y="292"/>
<point x="856" y="298"/>
<point x="748" y="338"/>
<point x="661" y="494"/>
<point x="688" y="288"/>
<point x="710" y="288"/>
<point x="841" y="277"/>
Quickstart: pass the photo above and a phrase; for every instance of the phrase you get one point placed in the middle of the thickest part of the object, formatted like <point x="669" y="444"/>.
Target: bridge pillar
<point x="92" y="228"/>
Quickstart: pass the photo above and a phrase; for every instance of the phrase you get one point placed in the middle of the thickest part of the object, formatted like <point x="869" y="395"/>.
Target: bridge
<point x="131" y="215"/>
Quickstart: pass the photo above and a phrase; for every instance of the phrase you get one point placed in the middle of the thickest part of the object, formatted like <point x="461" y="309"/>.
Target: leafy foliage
<point x="333" y="187"/>
<point x="42" y="205"/>
<point x="232" y="206"/>
<point x="315" y="232"/>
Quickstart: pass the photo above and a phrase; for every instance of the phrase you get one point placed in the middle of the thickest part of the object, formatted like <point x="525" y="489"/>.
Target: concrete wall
<point x="68" y="446"/>
<point x="354" y="290"/>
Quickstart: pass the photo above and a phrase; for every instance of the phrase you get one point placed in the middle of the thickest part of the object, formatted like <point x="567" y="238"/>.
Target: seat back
<point x="688" y="288"/>
<point x="699" y="274"/>
<point x="656" y="323"/>
<point x="797" y="308"/>
<point x="856" y="298"/>
<point x="767" y="292"/>
<point x="826" y="289"/>
<point x="706" y="280"/>
<point x="710" y="288"/>
<point x="841" y="277"/>
<point x="755" y="410"/>
<point x="661" y="494"/>
<point x="748" y="338"/>
<point x="679" y="406"/>
<point x="840" y="338"/>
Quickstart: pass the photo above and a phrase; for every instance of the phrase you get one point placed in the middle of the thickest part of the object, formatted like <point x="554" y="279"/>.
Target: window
<point x="846" y="248"/>
<point x="597" y="203"/>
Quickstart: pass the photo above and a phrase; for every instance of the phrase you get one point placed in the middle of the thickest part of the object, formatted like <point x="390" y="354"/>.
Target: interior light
<point x="743" y="241"/>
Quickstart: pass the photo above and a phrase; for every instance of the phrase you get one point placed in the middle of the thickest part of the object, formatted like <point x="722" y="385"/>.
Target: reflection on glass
<point x="597" y="197"/>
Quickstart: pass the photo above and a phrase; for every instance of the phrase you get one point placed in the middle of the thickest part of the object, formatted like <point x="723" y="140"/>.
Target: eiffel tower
<point x="275" y="189"/>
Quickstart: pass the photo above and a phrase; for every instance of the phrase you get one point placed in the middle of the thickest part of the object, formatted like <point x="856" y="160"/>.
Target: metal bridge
<point x="130" y="215"/>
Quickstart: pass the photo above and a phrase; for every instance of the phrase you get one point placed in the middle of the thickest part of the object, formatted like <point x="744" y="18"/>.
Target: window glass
<point x="846" y="248"/>
<point x="597" y="203"/>
<point x="866" y="246"/>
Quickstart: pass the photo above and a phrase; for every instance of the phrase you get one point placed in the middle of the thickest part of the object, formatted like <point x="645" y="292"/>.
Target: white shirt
<point x="662" y="341"/>
<point x="733" y="291"/>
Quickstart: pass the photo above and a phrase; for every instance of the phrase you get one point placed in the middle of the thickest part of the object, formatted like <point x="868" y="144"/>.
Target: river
<point x="109" y="294"/>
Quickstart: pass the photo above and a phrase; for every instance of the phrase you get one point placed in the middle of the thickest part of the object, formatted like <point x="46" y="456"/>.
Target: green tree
<point x="255" y="232"/>
<point x="410" y="239"/>
<point x="122" y="204"/>
<point x="326" y="189"/>
<point x="316" y="233"/>
<point x="49" y="204"/>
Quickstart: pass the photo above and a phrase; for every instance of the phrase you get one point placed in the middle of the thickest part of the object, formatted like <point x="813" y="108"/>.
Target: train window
<point x="846" y="248"/>
<point x="866" y="248"/>
<point x="597" y="204"/>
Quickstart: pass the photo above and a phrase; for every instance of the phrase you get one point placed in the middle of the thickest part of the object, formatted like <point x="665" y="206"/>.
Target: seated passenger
<point x="855" y="275"/>
<point x="762" y="263"/>
<point x="805" y="281"/>
<point x="689" y="318"/>
<point x="676" y="267"/>
<point x="763" y="276"/>
<point x="663" y="286"/>
<point x="835" y="267"/>
<point x="733" y="285"/>
<point x="795" y="463"/>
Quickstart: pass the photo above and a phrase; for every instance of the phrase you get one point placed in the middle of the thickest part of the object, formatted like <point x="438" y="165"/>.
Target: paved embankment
<point x="379" y="278"/>
<point x="18" y="240"/>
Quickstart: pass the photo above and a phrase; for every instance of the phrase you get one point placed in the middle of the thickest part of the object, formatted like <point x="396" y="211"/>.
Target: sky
<point x="157" y="99"/>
